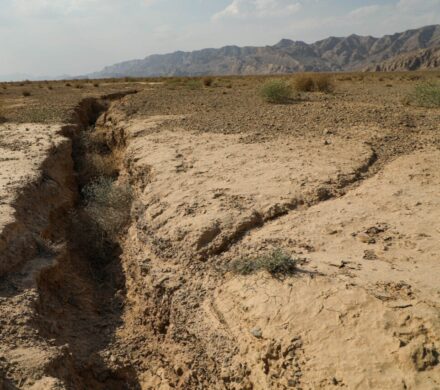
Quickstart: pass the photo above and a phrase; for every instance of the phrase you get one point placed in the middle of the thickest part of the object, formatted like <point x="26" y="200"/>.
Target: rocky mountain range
<point x="423" y="59"/>
<point x="409" y="50"/>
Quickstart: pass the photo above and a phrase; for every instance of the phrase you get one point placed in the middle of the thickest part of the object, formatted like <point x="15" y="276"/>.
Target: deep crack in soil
<point x="80" y="286"/>
<point x="88" y="306"/>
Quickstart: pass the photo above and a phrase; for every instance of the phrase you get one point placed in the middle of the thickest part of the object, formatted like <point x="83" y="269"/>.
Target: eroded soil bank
<point x="63" y="295"/>
<point x="155" y="306"/>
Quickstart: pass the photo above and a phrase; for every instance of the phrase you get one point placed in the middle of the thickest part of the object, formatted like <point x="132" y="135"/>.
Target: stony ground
<point x="345" y="183"/>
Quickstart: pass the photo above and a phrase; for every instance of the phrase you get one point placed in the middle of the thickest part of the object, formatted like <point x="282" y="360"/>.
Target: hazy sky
<point x="54" y="37"/>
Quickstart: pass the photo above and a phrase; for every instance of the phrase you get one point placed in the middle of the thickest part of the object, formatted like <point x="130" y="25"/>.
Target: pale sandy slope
<point x="363" y="311"/>
<point x="369" y="318"/>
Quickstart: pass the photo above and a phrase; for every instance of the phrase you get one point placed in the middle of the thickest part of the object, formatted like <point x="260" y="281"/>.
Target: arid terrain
<point x="130" y="209"/>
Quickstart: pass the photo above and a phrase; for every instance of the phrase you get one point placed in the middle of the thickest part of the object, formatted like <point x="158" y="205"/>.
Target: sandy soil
<point x="346" y="184"/>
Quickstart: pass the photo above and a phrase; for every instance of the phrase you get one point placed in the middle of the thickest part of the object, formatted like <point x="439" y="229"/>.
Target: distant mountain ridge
<point x="423" y="59"/>
<point x="332" y="54"/>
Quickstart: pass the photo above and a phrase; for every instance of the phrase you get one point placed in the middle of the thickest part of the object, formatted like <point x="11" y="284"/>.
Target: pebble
<point x="256" y="332"/>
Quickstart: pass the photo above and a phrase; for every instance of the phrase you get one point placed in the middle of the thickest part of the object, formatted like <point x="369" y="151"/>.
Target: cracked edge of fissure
<point x="99" y="273"/>
<point x="65" y="367"/>
<point x="332" y="190"/>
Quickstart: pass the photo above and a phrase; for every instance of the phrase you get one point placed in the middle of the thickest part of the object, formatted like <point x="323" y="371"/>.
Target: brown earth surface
<point x="346" y="184"/>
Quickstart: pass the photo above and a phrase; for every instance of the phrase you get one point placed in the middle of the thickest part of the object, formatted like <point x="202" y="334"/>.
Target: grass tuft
<point x="277" y="263"/>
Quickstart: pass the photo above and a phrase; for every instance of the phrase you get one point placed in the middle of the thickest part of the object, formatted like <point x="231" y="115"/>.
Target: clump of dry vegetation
<point x="108" y="205"/>
<point x="319" y="82"/>
<point x="324" y="83"/>
<point x="426" y="95"/>
<point x="208" y="81"/>
<point x="277" y="263"/>
<point x="276" y="91"/>
<point x="303" y="83"/>
<point x="193" y="84"/>
<point x="26" y="93"/>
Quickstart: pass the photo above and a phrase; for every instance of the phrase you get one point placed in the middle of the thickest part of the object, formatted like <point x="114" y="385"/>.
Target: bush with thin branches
<point x="276" y="91"/>
<point x="426" y="95"/>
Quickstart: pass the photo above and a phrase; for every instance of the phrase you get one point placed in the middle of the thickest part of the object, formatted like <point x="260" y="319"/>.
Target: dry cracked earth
<point x="347" y="184"/>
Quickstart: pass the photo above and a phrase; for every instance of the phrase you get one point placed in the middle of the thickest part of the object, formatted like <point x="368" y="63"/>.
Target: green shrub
<point x="276" y="91"/>
<point x="426" y="95"/>
<point x="276" y="263"/>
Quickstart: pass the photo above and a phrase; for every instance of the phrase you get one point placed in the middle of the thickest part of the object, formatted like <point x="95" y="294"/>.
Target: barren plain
<point x="124" y="206"/>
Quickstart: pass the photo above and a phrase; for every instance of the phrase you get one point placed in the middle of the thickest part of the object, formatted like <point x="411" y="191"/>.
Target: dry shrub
<point x="208" y="81"/>
<point x="276" y="91"/>
<point x="324" y="83"/>
<point x="96" y="165"/>
<point x="314" y="83"/>
<point x="303" y="83"/>
<point x="193" y="84"/>
<point x="277" y="263"/>
<point x="108" y="205"/>
<point x="26" y="93"/>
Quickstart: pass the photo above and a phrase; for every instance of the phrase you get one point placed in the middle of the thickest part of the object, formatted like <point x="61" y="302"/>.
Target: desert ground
<point x="134" y="213"/>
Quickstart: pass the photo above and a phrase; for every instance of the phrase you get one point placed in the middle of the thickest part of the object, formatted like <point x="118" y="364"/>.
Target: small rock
<point x="363" y="237"/>
<point x="257" y="332"/>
